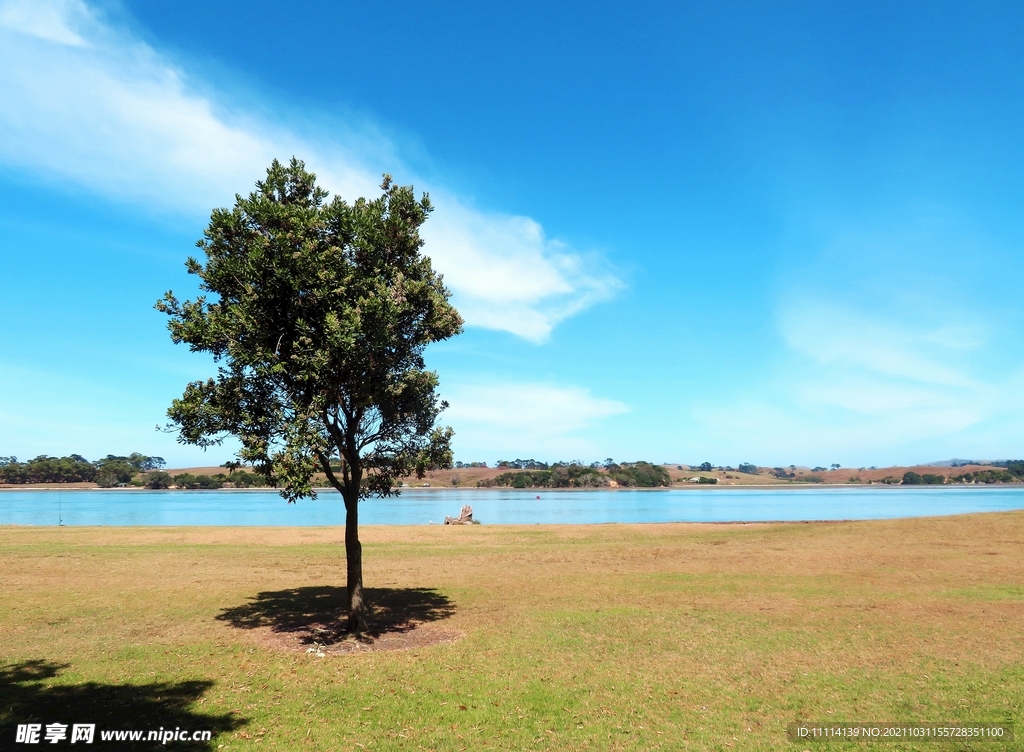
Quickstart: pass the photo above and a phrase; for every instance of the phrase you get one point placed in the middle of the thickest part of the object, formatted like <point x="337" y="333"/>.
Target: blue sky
<point x="773" y="233"/>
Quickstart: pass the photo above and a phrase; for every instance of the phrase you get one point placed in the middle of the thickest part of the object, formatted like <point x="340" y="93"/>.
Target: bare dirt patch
<point x="309" y="640"/>
<point x="307" y="619"/>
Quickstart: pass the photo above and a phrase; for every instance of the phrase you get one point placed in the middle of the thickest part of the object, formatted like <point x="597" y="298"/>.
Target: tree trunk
<point x="358" y="610"/>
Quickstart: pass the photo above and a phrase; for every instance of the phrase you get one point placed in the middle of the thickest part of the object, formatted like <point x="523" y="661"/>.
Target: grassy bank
<point x="593" y="637"/>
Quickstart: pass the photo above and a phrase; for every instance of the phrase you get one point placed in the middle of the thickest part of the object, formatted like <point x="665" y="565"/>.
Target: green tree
<point x="319" y="314"/>
<point x="157" y="479"/>
<point x="112" y="469"/>
<point x="642" y="474"/>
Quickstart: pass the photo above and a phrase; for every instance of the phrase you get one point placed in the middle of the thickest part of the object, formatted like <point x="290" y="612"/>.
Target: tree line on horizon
<point x="574" y="474"/>
<point x="136" y="469"/>
<point x="74" y="468"/>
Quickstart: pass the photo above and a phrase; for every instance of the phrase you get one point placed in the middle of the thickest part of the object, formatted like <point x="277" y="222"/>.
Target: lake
<point x="504" y="507"/>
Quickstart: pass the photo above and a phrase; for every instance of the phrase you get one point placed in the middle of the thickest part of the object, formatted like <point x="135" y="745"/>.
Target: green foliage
<point x="910" y="478"/>
<point x="642" y="475"/>
<point x="244" y="479"/>
<point x="114" y="470"/>
<point x="75" y="468"/>
<point x="43" y="469"/>
<point x="559" y="476"/>
<point x="525" y="464"/>
<point x="523" y="479"/>
<point x="702" y="480"/>
<point x="157" y="479"/>
<point x="746" y="467"/>
<point x="986" y="476"/>
<point x="318" y="316"/>
<point x="194" y="482"/>
<point x="705" y="467"/>
<point x="576" y="475"/>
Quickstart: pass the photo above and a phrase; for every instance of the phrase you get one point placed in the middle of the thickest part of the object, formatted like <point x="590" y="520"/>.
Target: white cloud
<point x="508" y="274"/>
<point x="835" y="336"/>
<point x="49" y="21"/>
<point x="541" y="418"/>
<point x="86" y="102"/>
<point x="861" y="388"/>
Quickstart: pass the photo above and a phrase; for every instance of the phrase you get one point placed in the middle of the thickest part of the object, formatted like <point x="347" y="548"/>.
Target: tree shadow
<point x="316" y="614"/>
<point x="26" y="697"/>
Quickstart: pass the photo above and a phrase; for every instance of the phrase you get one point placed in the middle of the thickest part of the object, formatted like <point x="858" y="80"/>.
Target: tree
<point x="157" y="479"/>
<point x="642" y="474"/>
<point x="321" y="314"/>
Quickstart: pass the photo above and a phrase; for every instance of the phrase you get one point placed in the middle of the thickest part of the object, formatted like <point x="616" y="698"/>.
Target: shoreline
<point x="492" y="489"/>
<point x="524" y="525"/>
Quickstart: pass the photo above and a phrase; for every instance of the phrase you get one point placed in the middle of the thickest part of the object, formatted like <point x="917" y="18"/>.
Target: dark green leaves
<point x="319" y="312"/>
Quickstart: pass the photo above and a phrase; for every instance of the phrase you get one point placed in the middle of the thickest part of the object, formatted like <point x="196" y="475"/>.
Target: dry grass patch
<point x="575" y="637"/>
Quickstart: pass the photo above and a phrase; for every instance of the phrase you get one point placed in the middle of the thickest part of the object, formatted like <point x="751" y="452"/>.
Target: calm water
<point x="501" y="507"/>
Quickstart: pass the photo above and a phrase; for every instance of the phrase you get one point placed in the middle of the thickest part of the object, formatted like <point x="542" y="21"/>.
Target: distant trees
<point x="44" y="469"/>
<point x="641" y="475"/>
<point x="157" y="479"/>
<point x="135" y="469"/>
<point x="746" y="467"/>
<point x="525" y="464"/>
<point x="706" y="467"/>
<point x="111" y="470"/>
<point x="987" y="476"/>
<point x="1016" y="468"/>
<point x="558" y="476"/>
<point x="75" y="468"/>
<point x="911" y="478"/>
<point x="194" y="482"/>
<point x="575" y="474"/>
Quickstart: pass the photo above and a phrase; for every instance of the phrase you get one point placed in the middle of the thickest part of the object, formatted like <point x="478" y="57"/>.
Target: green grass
<point x="575" y="638"/>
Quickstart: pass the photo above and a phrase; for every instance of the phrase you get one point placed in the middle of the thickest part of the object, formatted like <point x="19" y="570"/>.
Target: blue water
<point x="420" y="507"/>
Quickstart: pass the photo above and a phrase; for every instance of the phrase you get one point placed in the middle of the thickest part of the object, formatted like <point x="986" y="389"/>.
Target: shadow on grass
<point x="318" y="611"/>
<point x="27" y="696"/>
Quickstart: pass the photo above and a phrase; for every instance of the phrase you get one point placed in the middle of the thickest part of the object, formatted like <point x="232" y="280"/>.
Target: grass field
<point x="569" y="638"/>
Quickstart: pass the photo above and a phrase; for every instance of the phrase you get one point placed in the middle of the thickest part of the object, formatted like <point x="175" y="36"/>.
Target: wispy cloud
<point x="833" y="335"/>
<point x="87" y="103"/>
<point x="856" y="384"/>
<point x="530" y="417"/>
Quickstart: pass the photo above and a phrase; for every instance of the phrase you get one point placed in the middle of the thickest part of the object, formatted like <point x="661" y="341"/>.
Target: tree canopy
<point x="317" y="313"/>
<point x="75" y="468"/>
